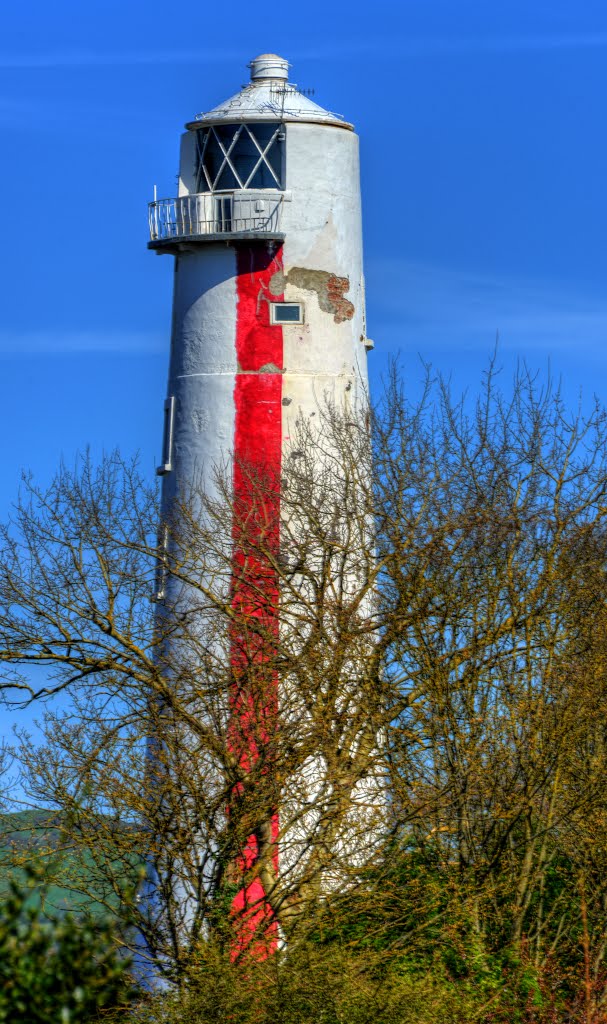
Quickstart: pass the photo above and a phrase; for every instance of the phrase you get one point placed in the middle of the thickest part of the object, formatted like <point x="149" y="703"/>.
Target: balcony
<point x="178" y="224"/>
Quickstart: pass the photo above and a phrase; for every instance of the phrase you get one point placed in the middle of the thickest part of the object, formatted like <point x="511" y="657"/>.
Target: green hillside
<point x="75" y="880"/>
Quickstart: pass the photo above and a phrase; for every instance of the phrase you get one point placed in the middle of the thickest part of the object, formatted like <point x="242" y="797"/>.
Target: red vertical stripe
<point x="256" y="531"/>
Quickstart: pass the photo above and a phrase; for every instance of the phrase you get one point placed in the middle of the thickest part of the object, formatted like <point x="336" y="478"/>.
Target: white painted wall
<point x="202" y="365"/>
<point x="187" y="164"/>
<point x="323" y="230"/>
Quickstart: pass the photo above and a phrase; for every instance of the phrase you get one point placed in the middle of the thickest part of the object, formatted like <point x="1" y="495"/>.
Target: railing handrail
<point x="231" y="212"/>
<point x="274" y="192"/>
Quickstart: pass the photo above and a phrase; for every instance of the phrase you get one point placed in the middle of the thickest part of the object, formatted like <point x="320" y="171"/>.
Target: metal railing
<point x="245" y="212"/>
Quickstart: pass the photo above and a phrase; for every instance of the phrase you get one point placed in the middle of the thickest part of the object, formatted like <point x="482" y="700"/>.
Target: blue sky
<point x="484" y="161"/>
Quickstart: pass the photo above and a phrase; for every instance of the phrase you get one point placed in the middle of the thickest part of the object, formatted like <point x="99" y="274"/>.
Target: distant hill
<point x="35" y="836"/>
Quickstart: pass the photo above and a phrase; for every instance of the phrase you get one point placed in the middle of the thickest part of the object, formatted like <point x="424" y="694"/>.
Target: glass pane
<point x="263" y="177"/>
<point x="284" y="313"/>
<point x="244" y="156"/>
<point x="216" y="142"/>
<point x="214" y="157"/>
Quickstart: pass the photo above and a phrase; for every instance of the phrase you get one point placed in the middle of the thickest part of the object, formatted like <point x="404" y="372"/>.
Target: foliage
<point x="309" y="983"/>
<point x="55" y="967"/>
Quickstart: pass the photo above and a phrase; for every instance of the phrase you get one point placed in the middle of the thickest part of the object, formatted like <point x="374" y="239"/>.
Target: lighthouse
<point x="268" y="327"/>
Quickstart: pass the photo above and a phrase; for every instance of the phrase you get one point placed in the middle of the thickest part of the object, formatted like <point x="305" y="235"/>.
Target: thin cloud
<point x="413" y="47"/>
<point x="421" y="304"/>
<point x="506" y="44"/>
<point x="54" y="342"/>
<point x="97" y="58"/>
<point x="430" y="46"/>
<point x="50" y="111"/>
<point x="572" y="41"/>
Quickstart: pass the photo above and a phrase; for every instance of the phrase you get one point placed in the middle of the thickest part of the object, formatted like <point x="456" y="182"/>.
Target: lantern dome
<point x="269" y="97"/>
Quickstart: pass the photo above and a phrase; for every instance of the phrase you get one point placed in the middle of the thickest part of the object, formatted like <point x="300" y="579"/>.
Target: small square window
<point x="286" y="313"/>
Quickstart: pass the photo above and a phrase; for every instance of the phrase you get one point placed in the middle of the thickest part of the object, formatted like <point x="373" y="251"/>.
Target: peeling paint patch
<point x="200" y="420"/>
<point x="328" y="287"/>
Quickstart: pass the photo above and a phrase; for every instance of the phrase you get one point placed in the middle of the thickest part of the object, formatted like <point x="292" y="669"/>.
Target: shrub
<point x="53" y="966"/>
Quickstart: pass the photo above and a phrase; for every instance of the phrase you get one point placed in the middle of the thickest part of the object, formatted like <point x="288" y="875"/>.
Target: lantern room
<point x="234" y="168"/>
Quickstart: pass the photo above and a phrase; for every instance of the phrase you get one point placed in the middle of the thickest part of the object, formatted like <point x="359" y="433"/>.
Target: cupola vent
<point x="269" y="65"/>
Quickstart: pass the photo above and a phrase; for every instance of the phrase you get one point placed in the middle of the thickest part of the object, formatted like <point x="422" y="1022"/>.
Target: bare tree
<point x="493" y="520"/>
<point x="392" y="706"/>
<point x="256" y="689"/>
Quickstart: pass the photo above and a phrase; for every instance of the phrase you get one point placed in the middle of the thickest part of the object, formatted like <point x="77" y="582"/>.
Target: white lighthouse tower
<point x="268" y="309"/>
